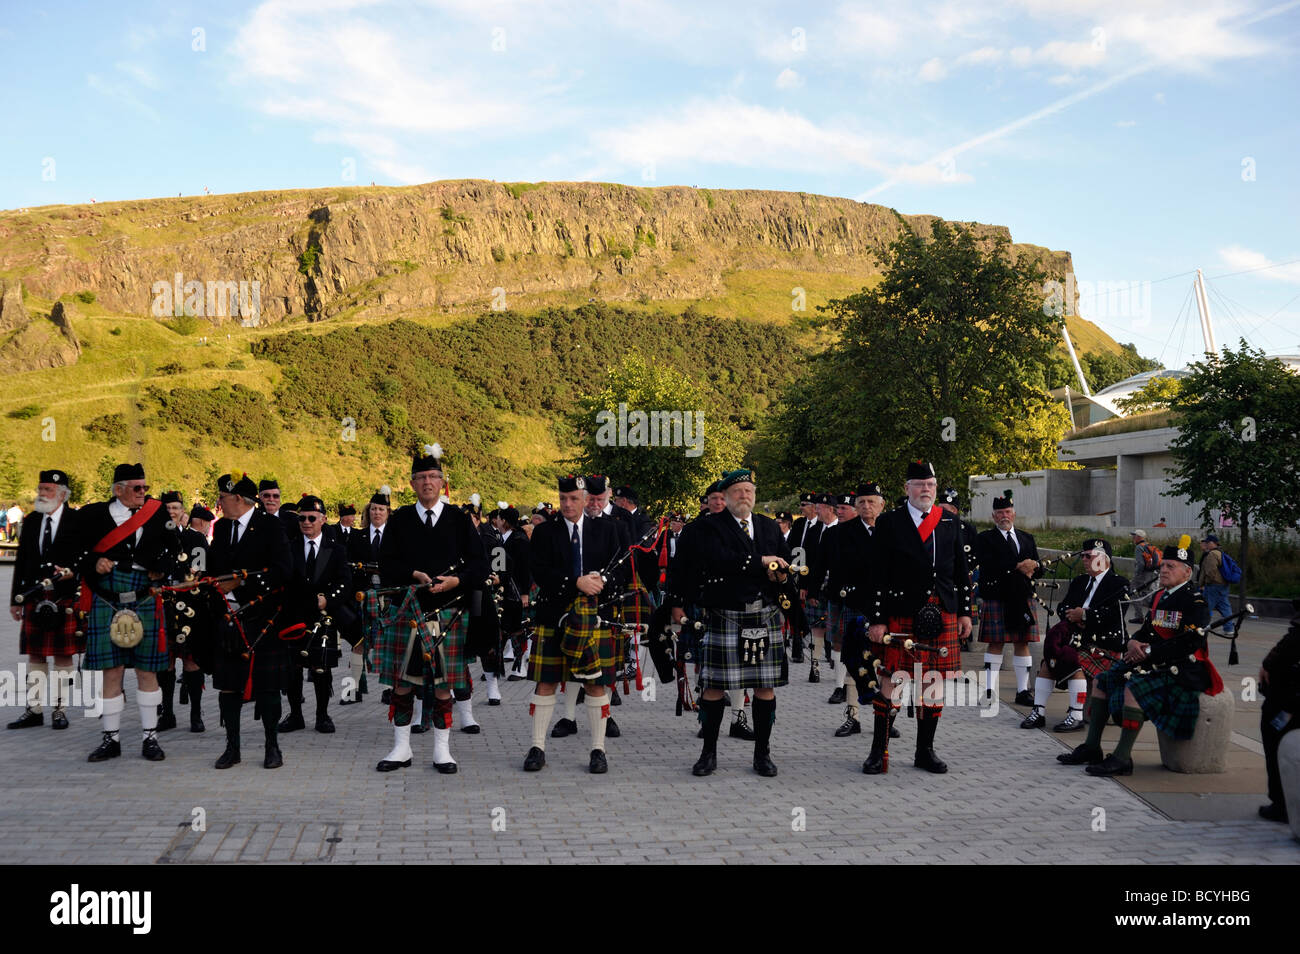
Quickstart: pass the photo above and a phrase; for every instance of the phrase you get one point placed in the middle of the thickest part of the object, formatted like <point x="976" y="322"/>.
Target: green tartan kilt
<point x="389" y="631"/>
<point x="581" y="633"/>
<point x="101" y="652"/>
<point x="837" y="618"/>
<point x="1172" y="708"/>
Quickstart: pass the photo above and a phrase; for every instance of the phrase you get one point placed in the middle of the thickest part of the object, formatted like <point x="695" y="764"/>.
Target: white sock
<point x="1021" y="665"/>
<point x="1042" y="692"/>
<point x="113" y="714"/>
<point x="819" y="647"/>
<point x="571" y="704"/>
<point x="1078" y="690"/>
<point x="851" y="693"/>
<point x="464" y="713"/>
<point x="993" y="664"/>
<point x="442" y="746"/>
<point x="149" y="703"/>
<point x="38" y="679"/>
<point x="62" y="688"/>
<point x="401" y="744"/>
<point x="541" y="708"/>
<point x="417" y="711"/>
<point x="597" y="713"/>
<point x="841" y="672"/>
<point x="492" y="691"/>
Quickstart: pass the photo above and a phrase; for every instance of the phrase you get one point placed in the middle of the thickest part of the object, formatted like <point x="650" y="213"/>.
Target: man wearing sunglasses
<point x="129" y="550"/>
<point x="319" y="589"/>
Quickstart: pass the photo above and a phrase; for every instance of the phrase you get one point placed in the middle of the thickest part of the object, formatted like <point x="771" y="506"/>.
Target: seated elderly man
<point x="1165" y="669"/>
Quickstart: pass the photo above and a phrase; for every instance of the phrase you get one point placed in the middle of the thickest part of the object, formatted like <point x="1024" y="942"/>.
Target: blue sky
<point x="1147" y="138"/>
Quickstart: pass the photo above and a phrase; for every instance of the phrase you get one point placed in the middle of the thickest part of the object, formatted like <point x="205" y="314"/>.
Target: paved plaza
<point x="1005" y="800"/>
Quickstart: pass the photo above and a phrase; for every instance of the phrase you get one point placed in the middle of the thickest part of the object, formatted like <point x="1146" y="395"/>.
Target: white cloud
<point x="1241" y="259"/>
<point x="932" y="71"/>
<point x="788" y="79"/>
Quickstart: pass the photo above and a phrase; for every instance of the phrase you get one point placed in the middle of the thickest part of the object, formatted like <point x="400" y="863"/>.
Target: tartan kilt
<point x="838" y="617"/>
<point x="1094" y="665"/>
<point x="815" y="611"/>
<point x="721" y="665"/>
<point x="896" y="657"/>
<point x="1172" y="708"/>
<point x="548" y="662"/>
<point x="101" y="653"/>
<point x="390" y="627"/>
<point x="993" y="628"/>
<point x="62" y="640"/>
<point x="638" y="605"/>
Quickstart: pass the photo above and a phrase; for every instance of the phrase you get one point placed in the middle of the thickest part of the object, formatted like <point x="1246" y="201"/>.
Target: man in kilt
<point x="251" y="661"/>
<point x="813" y="602"/>
<point x="828" y="582"/>
<point x="727" y="567"/>
<point x="433" y="551"/>
<point x="569" y="557"/>
<point x="1008" y="561"/>
<point x="194" y="656"/>
<point x="363" y="553"/>
<point x="48" y="551"/>
<point x="920" y="577"/>
<point x="1088" y="639"/>
<point x="128" y="549"/>
<point x="1165" y="669"/>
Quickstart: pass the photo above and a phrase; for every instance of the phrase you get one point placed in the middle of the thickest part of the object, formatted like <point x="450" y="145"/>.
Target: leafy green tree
<point x="11" y="477"/>
<point x="664" y="477"/>
<point x="1238" y="443"/>
<point x="1156" y="393"/>
<point x="946" y="359"/>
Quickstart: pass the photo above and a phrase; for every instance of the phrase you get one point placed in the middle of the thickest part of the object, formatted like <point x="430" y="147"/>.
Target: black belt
<point x="754" y="606"/>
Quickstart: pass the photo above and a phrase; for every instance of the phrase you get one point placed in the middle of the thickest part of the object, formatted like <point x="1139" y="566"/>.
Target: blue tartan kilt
<point x="721" y="663"/>
<point x="993" y="628"/>
<point x="1172" y="708"/>
<point x="101" y="652"/>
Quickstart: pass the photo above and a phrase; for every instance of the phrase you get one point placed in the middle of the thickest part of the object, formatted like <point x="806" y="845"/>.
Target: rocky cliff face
<point x="441" y="246"/>
<point x="28" y="343"/>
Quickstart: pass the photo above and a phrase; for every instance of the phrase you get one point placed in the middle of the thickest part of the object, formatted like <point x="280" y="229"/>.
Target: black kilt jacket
<point x="332" y="578"/>
<point x="997" y="562"/>
<point x="155" y="550"/>
<point x="903" y="576"/>
<point x="262" y="546"/>
<point x="848" y="561"/>
<point x="31" y="566"/>
<point x="550" y="554"/>
<point x="1103" y="623"/>
<point x="408" y="545"/>
<point x="719" y="567"/>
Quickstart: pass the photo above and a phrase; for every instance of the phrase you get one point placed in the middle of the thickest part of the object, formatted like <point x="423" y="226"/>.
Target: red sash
<point x="928" y="524"/>
<point x="132" y="524"/>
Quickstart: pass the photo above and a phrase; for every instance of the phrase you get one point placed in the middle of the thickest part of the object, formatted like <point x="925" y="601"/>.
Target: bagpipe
<point x="1177" y="654"/>
<point x="867" y="666"/>
<point x="671" y="647"/>
<point x="787" y="597"/>
<point x="47" y="615"/>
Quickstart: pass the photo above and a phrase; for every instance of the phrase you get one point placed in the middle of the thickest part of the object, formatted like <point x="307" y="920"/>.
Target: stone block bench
<point x="1206" y="752"/>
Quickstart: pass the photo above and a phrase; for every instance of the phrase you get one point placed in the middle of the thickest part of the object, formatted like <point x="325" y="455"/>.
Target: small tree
<point x="668" y="465"/>
<point x="1238" y="443"/>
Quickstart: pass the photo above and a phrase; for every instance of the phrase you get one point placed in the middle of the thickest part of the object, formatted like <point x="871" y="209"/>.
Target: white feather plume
<point x="475" y="499"/>
<point x="386" y="490"/>
<point x="435" y="451"/>
<point x="502" y="505"/>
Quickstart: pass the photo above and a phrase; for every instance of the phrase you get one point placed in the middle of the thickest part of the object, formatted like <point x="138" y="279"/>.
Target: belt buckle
<point x="127" y="597"/>
<point x="755" y="607"/>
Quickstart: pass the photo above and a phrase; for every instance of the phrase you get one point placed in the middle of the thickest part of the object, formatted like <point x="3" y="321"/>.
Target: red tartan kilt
<point x="896" y="657"/>
<point x="61" y="641"/>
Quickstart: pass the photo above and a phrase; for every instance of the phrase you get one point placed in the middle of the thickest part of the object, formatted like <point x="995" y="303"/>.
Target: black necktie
<point x="428" y="519"/>
<point x="577" y="553"/>
<point x="311" y="560"/>
<point x="1011" y="539"/>
<point x="1087" y="594"/>
<point x="234" y="533"/>
<point x="47" y="537"/>
<point x="378" y="536"/>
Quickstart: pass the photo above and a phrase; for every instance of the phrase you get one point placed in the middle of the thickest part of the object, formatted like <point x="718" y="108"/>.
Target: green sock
<point x="1132" y="726"/>
<point x="1098" y="713"/>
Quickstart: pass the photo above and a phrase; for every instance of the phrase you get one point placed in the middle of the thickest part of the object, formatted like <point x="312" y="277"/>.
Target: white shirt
<point x="121" y="513"/>
<point x="870" y="529"/>
<point x="1011" y="535"/>
<point x="52" y="519"/>
<point x="569" y="525"/>
<point x="436" y="510"/>
<point x="506" y="536"/>
<point x="1094" y="586"/>
<point x="377" y="532"/>
<point x="244" y="521"/>
<point x="747" y="530"/>
<point x="609" y="508"/>
<point x="307" y="545"/>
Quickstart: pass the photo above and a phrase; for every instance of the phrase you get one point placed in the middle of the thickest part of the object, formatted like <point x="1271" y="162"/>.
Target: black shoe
<point x="474" y="729"/>
<point x="494" y="702"/>
<point x="535" y="761"/>
<point x="386" y="766"/>
<point x="1111" y="766"/>
<point x="273" y="758"/>
<point x="796" y="651"/>
<point x="110" y="748"/>
<point x="152" y="750"/>
<point x="324" y="724"/>
<point x="615" y="699"/>
<point x="353" y="701"/>
<point x="764" y="766"/>
<point x="228" y="758"/>
<point x="1024" y="698"/>
<point x="166" y="721"/>
<point x="740" y="729"/>
<point x="612" y="730"/>
<point x="1081" y="755"/>
<point x="598" y="765"/>
<point x="445" y="768"/>
<point x="926" y="759"/>
<point x="59" y="720"/>
<point x="514" y="677"/>
<point x="291" y="723"/>
<point x="1035" y="720"/>
<point x="726" y="700"/>
<point x="1069" y="724"/>
<point x="894" y="733"/>
<point x="196" y="724"/>
<point x="565" y="727"/>
<point x="1273" y="811"/>
<point x="386" y="697"/>
<point x="27" y="720"/>
<point x="874" y="765"/>
<point x="813" y="674"/>
<point x="706" y="764"/>
<point x="837" y="697"/>
<point x="851" y="726"/>
<point x="418" y="727"/>
<point x="700" y="734"/>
